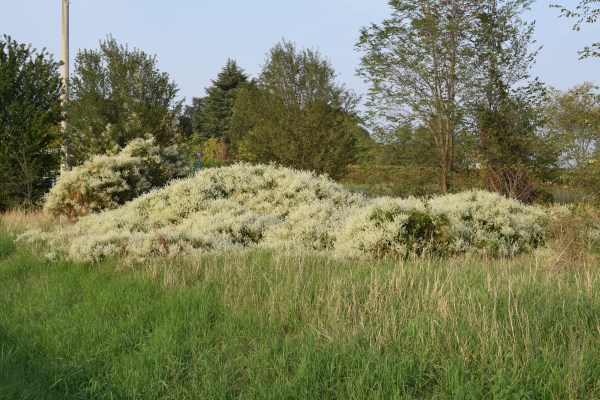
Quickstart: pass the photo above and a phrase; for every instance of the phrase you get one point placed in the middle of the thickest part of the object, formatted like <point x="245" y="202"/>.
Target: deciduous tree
<point x="118" y="95"/>
<point x="586" y="12"/>
<point x="298" y="115"/>
<point x="574" y="118"/>
<point x="506" y="103"/>
<point x="417" y="62"/>
<point x="30" y="111"/>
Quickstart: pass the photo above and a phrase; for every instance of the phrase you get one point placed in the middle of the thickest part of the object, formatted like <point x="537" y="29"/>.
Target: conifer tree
<point x="220" y="97"/>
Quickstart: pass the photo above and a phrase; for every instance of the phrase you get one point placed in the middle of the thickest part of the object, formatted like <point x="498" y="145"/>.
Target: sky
<point x="192" y="39"/>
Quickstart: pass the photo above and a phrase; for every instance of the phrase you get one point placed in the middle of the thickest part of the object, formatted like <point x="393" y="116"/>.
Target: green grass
<point x="261" y="325"/>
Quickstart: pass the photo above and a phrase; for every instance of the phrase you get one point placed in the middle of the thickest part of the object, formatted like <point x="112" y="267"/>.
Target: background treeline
<point x="451" y="106"/>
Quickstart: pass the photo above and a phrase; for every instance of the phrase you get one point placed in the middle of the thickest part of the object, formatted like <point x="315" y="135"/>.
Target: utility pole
<point x="65" y="78"/>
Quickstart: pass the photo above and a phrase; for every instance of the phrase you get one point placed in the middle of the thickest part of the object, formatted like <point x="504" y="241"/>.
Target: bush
<point x="244" y="206"/>
<point x="108" y="181"/>
<point x="392" y="226"/>
<point x="488" y="223"/>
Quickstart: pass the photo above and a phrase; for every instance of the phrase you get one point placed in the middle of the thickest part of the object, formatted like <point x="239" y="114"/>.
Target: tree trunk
<point x="223" y="152"/>
<point x="444" y="179"/>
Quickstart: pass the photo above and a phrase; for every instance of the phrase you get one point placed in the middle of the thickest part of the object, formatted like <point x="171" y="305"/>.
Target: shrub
<point x="489" y="223"/>
<point x="108" y="181"/>
<point x="392" y="226"/>
<point x="244" y="206"/>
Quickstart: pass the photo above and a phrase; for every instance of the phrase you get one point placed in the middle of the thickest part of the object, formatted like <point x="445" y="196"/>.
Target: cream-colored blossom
<point x="243" y="206"/>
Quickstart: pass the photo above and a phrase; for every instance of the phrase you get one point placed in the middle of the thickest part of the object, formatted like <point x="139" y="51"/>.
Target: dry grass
<point x="575" y="239"/>
<point x="18" y="221"/>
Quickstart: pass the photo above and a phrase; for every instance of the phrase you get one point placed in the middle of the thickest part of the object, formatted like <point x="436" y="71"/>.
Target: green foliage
<point x="586" y="12"/>
<point x="192" y="118"/>
<point x="422" y="232"/>
<point x="30" y="111"/>
<point x="105" y="181"/>
<point x="510" y="149"/>
<point x="448" y="71"/>
<point x="513" y="155"/>
<point x="410" y="146"/>
<point x="298" y="115"/>
<point x="212" y="149"/>
<point x="208" y="118"/>
<point x="586" y="178"/>
<point x="574" y="120"/>
<point x="119" y="95"/>
<point x="219" y="101"/>
<point x="418" y="63"/>
<point x="394" y="180"/>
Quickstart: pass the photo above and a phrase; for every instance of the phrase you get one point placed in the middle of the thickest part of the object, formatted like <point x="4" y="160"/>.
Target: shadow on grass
<point x="26" y="374"/>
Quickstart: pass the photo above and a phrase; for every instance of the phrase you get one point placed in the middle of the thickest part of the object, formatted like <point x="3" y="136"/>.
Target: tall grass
<point x="271" y="325"/>
<point x="17" y="221"/>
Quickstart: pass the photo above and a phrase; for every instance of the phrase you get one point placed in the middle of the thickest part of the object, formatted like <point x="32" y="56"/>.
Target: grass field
<point x="269" y="325"/>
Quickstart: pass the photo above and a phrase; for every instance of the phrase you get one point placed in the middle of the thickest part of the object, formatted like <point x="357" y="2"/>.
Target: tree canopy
<point x="118" y="95"/>
<point x="219" y="100"/>
<point x="30" y="113"/>
<point x="298" y="115"/>
<point x="453" y="68"/>
<point x="418" y="62"/>
<point x="585" y="12"/>
<point x="574" y="118"/>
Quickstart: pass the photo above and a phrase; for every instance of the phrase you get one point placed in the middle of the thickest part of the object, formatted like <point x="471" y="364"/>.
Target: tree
<point x="408" y="146"/>
<point x="584" y="13"/>
<point x="118" y="95"/>
<point x="219" y="100"/>
<point x="417" y="63"/>
<point x="297" y="115"/>
<point x="193" y="118"/>
<point x="30" y="113"/>
<point x="506" y="118"/>
<point x="452" y="68"/>
<point x="574" y="119"/>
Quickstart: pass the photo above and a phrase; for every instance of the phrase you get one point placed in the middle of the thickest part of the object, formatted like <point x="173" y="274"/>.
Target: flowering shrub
<point x="243" y="206"/>
<point x="108" y="181"/>
<point x="485" y="222"/>
<point x="394" y="226"/>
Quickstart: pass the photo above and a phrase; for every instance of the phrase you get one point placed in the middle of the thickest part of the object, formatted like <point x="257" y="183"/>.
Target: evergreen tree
<point x="217" y="106"/>
<point x="30" y="113"/>
<point x="193" y="117"/>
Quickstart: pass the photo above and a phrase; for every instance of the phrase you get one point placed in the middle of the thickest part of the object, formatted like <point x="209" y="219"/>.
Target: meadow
<point x="259" y="323"/>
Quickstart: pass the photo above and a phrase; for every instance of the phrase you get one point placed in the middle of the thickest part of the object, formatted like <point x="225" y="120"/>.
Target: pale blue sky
<point x="193" y="39"/>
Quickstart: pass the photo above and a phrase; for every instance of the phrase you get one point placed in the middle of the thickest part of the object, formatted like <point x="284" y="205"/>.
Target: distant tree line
<point x="450" y="91"/>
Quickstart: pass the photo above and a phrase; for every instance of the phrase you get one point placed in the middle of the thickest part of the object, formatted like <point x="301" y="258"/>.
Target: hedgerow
<point x="245" y="206"/>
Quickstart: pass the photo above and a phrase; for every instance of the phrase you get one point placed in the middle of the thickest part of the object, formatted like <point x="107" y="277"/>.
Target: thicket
<point x="244" y="206"/>
<point x="297" y="115"/>
<point x="108" y="181"/>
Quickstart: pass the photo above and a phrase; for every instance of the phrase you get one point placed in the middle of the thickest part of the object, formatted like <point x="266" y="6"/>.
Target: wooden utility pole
<point x="65" y="79"/>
